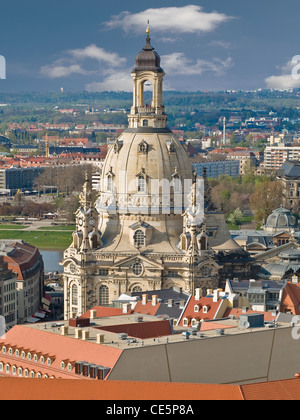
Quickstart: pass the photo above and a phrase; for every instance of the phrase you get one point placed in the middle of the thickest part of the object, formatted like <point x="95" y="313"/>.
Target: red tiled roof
<point x="291" y="298"/>
<point x="69" y="389"/>
<point x="104" y="311"/>
<point x="204" y="301"/>
<point x="268" y="316"/>
<point x="62" y="347"/>
<point x="147" y="309"/>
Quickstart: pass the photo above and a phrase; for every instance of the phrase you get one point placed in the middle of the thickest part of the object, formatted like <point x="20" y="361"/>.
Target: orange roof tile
<point x="147" y="309"/>
<point x="62" y="347"/>
<point x="69" y="389"/>
<point x="189" y="311"/>
<point x="105" y="311"/>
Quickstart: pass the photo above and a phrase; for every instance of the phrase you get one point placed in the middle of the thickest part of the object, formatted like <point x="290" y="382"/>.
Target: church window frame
<point x="136" y="289"/>
<point x="143" y="147"/>
<point x="137" y="268"/>
<point x="74" y="294"/>
<point x="103" y="295"/>
<point x="142" y="184"/>
<point x="139" y="238"/>
<point x="145" y="123"/>
<point x="109" y="183"/>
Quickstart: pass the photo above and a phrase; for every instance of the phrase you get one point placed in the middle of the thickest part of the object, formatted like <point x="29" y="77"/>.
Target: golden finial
<point x="148" y="29"/>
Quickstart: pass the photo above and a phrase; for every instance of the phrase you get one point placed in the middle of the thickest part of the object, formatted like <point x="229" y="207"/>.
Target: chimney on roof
<point x="170" y="303"/>
<point x="64" y="330"/>
<point x="126" y="308"/>
<point x="182" y="304"/>
<point x="144" y="299"/>
<point x="198" y="294"/>
<point x="85" y="335"/>
<point x="78" y="333"/>
<point x="93" y="314"/>
<point x="216" y="295"/>
<point x="154" y="300"/>
<point x="100" y="338"/>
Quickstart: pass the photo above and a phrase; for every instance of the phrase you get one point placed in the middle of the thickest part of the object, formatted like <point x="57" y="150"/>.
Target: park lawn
<point x="3" y="226"/>
<point x="61" y="227"/>
<point x="44" y="240"/>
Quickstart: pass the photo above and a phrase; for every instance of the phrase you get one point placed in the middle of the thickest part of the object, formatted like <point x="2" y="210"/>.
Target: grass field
<point x="4" y="226"/>
<point x="68" y="228"/>
<point x="41" y="239"/>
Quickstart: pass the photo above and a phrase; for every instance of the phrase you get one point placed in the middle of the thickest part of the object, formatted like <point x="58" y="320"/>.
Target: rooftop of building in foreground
<point x="134" y="330"/>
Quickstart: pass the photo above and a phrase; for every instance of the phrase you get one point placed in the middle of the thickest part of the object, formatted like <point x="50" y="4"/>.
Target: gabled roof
<point x="61" y="346"/>
<point x="201" y="303"/>
<point x="291" y="298"/>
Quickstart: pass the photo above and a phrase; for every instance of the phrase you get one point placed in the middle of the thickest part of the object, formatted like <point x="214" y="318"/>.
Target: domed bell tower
<point x="147" y="71"/>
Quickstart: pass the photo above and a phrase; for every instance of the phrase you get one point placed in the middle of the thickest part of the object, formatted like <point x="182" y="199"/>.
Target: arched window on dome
<point x="176" y="183"/>
<point x="103" y="295"/>
<point x="142" y="184"/>
<point x="139" y="238"/>
<point x="109" y="184"/>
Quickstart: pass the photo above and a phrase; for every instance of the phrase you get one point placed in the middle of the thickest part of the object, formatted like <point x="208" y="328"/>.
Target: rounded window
<point x="137" y="269"/>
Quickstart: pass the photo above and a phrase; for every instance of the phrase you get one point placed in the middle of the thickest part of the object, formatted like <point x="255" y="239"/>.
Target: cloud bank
<point x="289" y="77"/>
<point x="185" y="19"/>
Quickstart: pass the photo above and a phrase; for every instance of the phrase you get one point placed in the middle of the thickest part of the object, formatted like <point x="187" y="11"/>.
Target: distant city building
<point x="275" y="156"/>
<point x="14" y="179"/>
<point x="26" y="262"/>
<point x="214" y="169"/>
<point x="247" y="160"/>
<point x="289" y="175"/>
<point x="8" y="294"/>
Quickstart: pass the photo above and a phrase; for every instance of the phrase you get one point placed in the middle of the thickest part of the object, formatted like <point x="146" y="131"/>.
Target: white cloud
<point x="56" y="70"/>
<point x="73" y="60"/>
<point x="99" y="54"/>
<point x="185" y="19"/>
<point x="118" y="81"/>
<point x="178" y="63"/>
<point x="289" y="77"/>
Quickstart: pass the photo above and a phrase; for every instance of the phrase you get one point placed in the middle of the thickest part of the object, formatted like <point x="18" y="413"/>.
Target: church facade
<point x="152" y="225"/>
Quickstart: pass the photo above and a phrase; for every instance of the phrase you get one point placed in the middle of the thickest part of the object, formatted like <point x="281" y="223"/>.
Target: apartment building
<point x="214" y="169"/>
<point x="8" y="294"/>
<point x="26" y="262"/>
<point x="275" y="156"/>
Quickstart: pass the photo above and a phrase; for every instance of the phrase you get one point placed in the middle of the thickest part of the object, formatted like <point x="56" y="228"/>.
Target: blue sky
<point x="204" y="45"/>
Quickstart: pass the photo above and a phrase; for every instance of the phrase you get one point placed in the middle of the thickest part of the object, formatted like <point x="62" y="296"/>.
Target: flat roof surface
<point x="208" y="330"/>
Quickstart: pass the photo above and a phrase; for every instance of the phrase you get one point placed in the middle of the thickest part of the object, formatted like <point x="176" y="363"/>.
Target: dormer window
<point x="177" y="183"/>
<point x="142" y="185"/>
<point x="196" y="308"/>
<point x="143" y="147"/>
<point x="139" y="238"/>
<point x="206" y="309"/>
